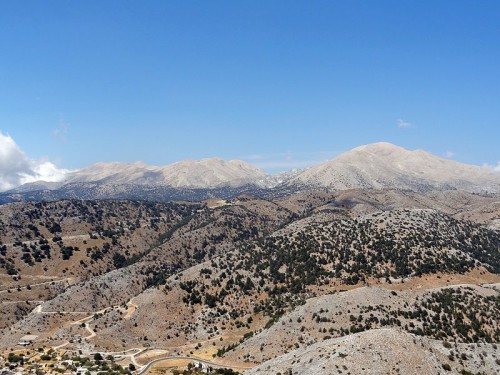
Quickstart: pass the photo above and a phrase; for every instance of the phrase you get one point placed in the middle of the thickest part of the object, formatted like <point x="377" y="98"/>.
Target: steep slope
<point x="46" y="247"/>
<point x="227" y="299"/>
<point x="386" y="166"/>
<point x="210" y="173"/>
<point x="192" y="180"/>
<point x="117" y="173"/>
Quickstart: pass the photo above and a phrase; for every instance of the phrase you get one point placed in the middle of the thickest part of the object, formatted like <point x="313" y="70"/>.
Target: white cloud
<point x="495" y="168"/>
<point x="404" y="124"/>
<point x="16" y="168"/>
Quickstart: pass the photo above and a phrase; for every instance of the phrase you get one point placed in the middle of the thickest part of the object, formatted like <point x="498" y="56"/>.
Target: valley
<point x="244" y="281"/>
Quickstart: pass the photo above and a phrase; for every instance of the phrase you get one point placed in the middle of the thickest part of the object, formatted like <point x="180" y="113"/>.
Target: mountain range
<point x="375" y="166"/>
<point x="382" y="260"/>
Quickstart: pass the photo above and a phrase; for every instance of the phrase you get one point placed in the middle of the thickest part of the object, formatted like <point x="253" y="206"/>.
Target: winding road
<point x="67" y="279"/>
<point x="130" y="353"/>
<point x="145" y="368"/>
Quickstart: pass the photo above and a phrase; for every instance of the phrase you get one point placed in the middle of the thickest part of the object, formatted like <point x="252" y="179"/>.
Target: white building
<point x="27" y="340"/>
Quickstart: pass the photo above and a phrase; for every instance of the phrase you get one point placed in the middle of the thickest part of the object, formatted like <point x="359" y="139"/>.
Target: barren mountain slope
<point x="206" y="173"/>
<point x="458" y="204"/>
<point x="376" y="166"/>
<point x="386" y="166"/>
<point x="209" y="173"/>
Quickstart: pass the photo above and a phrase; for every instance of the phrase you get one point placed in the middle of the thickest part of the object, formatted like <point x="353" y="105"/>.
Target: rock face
<point x="386" y="166"/>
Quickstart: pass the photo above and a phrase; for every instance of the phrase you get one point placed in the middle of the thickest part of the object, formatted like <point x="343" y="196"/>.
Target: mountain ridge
<point x="374" y="166"/>
<point x="204" y="173"/>
<point x="384" y="165"/>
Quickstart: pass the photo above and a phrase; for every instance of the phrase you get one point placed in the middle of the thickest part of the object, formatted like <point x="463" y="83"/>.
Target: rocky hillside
<point x="384" y="351"/>
<point x="87" y="255"/>
<point x="462" y="314"/>
<point x="246" y="280"/>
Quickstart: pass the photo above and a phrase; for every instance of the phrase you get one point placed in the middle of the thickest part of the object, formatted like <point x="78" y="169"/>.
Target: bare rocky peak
<point x="208" y="173"/>
<point x="205" y="173"/>
<point x="115" y="171"/>
<point x="384" y="165"/>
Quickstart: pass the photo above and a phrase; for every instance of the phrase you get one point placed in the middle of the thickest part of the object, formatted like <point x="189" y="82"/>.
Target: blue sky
<point x="281" y="84"/>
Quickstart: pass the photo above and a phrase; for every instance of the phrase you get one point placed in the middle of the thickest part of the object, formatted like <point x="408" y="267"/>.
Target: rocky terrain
<point x="384" y="351"/>
<point x="246" y="280"/>
<point x="398" y="275"/>
<point x="206" y="173"/>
